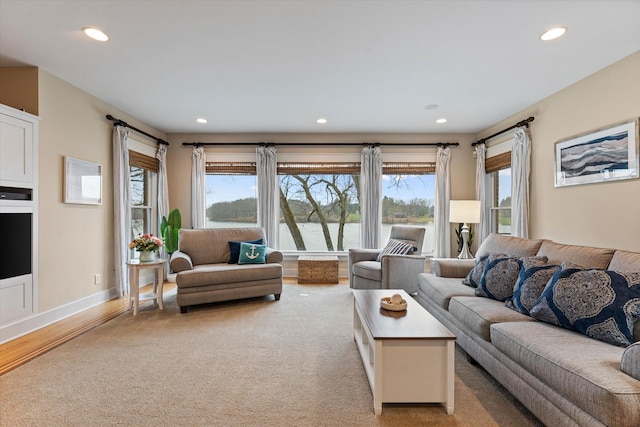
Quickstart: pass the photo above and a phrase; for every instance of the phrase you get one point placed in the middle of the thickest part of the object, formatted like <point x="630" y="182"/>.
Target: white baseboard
<point x="32" y="323"/>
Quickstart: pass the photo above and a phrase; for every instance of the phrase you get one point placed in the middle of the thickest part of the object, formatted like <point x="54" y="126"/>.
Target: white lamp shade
<point x="464" y="211"/>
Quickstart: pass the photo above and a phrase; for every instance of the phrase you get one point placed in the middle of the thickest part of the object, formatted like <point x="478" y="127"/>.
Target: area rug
<point x="255" y="362"/>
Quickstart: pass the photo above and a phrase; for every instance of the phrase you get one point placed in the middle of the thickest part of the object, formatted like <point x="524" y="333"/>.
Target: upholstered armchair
<point x="389" y="271"/>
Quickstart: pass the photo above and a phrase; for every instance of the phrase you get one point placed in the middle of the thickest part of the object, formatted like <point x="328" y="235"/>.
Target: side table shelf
<point x="135" y="267"/>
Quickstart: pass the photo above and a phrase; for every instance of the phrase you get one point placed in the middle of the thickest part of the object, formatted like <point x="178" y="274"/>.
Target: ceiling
<point x="277" y="66"/>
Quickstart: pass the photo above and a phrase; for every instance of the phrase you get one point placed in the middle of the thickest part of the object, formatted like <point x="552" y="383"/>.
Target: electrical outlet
<point x="97" y="279"/>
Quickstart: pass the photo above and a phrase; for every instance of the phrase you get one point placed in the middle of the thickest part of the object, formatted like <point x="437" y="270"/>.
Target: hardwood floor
<point x="23" y="349"/>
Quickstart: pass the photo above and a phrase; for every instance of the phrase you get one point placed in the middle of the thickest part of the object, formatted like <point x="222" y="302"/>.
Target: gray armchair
<point x="393" y="271"/>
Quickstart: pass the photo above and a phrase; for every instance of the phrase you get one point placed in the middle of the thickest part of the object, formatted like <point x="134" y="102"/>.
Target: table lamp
<point x="465" y="212"/>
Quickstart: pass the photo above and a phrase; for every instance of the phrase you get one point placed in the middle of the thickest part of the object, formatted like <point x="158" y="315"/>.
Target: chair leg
<point x="184" y="309"/>
<point x="277" y="297"/>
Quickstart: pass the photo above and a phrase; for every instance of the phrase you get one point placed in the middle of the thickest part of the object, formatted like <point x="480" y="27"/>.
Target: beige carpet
<point x="255" y="362"/>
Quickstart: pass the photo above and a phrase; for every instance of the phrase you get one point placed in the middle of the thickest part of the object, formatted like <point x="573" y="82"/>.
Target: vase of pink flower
<point x="147" y="245"/>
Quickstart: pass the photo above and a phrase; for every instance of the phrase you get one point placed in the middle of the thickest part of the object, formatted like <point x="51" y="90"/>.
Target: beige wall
<point x="602" y="214"/>
<point x="179" y="157"/>
<point x="76" y="241"/>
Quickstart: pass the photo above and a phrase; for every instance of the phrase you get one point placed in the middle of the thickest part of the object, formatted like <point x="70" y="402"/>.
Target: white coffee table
<point x="408" y="356"/>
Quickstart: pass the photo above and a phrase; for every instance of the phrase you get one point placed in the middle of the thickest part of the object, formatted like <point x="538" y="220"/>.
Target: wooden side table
<point x="135" y="267"/>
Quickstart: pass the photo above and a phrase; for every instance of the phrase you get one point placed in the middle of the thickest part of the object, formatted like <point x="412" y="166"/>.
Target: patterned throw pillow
<point x="534" y="276"/>
<point x="601" y="304"/>
<point x="395" y="247"/>
<point x="500" y="276"/>
<point x="250" y="253"/>
<point x="234" y="249"/>
<point x="474" y="276"/>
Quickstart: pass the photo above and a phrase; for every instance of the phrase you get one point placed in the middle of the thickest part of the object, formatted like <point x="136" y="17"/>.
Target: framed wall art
<point x="607" y="154"/>
<point x="82" y="182"/>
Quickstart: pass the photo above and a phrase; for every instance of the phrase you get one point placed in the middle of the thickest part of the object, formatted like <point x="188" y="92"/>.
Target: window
<point x="144" y="180"/>
<point x="408" y="198"/>
<point x="231" y="196"/>
<point x="320" y="201"/>
<point x="499" y="169"/>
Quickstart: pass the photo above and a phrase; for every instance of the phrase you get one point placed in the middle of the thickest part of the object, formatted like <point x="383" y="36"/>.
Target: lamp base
<point x="465" y="253"/>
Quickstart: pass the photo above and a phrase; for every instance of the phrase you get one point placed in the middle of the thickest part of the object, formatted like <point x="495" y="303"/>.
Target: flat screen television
<point x="16" y="242"/>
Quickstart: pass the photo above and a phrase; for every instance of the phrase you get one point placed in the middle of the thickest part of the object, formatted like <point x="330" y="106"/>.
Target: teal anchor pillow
<point x="252" y="253"/>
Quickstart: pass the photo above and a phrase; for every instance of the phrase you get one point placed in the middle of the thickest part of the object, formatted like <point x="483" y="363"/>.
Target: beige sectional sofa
<point x="564" y="377"/>
<point x="204" y="274"/>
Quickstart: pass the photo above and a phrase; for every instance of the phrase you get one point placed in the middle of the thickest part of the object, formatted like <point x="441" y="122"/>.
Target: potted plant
<point x="147" y="245"/>
<point x="170" y="227"/>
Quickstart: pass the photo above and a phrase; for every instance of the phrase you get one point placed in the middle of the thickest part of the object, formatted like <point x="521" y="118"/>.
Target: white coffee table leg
<point x="450" y="377"/>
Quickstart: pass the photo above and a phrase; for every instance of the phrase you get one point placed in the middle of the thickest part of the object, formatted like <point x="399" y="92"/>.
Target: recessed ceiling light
<point x="441" y="120"/>
<point x="321" y="121"/>
<point x="201" y="120"/>
<point x="553" y="33"/>
<point x="431" y="106"/>
<point x="95" y="34"/>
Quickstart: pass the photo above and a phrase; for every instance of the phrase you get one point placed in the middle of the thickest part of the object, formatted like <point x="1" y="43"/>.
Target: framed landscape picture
<point x="607" y="154"/>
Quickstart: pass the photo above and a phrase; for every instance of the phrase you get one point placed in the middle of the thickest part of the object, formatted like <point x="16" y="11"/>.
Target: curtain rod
<point x="374" y="144"/>
<point x="118" y="122"/>
<point x="521" y="123"/>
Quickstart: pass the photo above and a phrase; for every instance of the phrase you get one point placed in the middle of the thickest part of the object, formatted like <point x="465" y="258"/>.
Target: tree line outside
<point x="324" y="199"/>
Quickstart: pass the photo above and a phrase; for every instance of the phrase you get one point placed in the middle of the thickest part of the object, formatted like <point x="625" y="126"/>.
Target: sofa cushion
<point x="582" y="255"/>
<point x="474" y="276"/>
<point x="532" y="279"/>
<point x="226" y="274"/>
<point x="368" y="269"/>
<point x="395" y="247"/>
<point x="234" y="249"/>
<point x="440" y="290"/>
<point x="250" y="253"/>
<point x="581" y="369"/>
<point x="510" y="245"/>
<point x="478" y="314"/>
<point x="602" y="304"/>
<point x="625" y="261"/>
<point x="630" y="364"/>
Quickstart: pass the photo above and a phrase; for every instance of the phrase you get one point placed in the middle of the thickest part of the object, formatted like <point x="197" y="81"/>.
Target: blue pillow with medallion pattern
<point x="534" y="275"/>
<point x="500" y="276"/>
<point x="474" y="276"/>
<point x="602" y="304"/>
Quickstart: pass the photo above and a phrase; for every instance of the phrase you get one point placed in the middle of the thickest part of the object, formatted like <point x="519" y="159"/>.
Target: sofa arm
<point x="402" y="271"/>
<point x="273" y="256"/>
<point x="630" y="364"/>
<point x="180" y="261"/>
<point x="452" y="267"/>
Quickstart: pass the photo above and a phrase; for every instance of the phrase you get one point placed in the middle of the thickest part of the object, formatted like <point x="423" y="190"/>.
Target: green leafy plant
<point x="169" y="227"/>
<point x="459" y="237"/>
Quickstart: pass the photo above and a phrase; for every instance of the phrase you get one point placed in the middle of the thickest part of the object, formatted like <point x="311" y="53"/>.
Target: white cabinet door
<point x="16" y="152"/>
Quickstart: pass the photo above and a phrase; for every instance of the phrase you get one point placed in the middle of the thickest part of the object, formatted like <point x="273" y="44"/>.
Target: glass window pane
<point x="231" y="201"/>
<point x="138" y="187"/>
<point x="319" y="212"/>
<point x="409" y="200"/>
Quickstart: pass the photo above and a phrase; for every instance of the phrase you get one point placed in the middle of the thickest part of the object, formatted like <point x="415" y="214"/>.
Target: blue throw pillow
<point x="534" y="276"/>
<point x="500" y="276"/>
<point x="474" y="276"/>
<point x="251" y="253"/>
<point x="234" y="249"/>
<point x="601" y="304"/>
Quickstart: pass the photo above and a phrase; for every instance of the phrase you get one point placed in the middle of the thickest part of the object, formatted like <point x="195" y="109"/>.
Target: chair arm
<point x="452" y="267"/>
<point x="357" y="255"/>
<point x="630" y="364"/>
<point x="180" y="261"/>
<point x="273" y="256"/>
<point x="400" y="270"/>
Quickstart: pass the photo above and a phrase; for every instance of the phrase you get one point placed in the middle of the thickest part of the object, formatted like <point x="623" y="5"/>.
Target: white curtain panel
<point x="163" y="193"/>
<point x="121" y="206"/>
<point x="198" y="187"/>
<point x="442" y="243"/>
<point x="371" y="197"/>
<point x="268" y="193"/>
<point x="520" y="170"/>
<point x="483" y="193"/>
